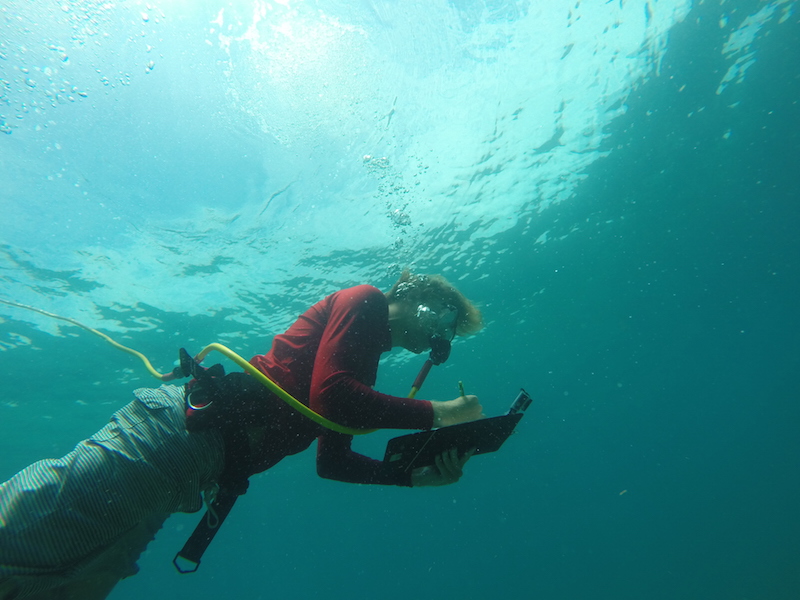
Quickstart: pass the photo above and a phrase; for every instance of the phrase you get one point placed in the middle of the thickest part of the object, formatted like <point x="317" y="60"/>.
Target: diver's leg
<point x="96" y="577"/>
<point x="114" y="564"/>
<point x="96" y="588"/>
<point x="8" y="589"/>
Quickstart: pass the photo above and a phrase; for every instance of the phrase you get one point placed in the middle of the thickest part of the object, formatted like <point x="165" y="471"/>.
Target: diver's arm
<point x="346" y="365"/>
<point x="335" y="460"/>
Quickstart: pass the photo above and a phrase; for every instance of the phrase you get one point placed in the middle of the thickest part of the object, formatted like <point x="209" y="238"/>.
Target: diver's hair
<point x="420" y="289"/>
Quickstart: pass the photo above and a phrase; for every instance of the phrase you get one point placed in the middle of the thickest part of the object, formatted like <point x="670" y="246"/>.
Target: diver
<point x="74" y="527"/>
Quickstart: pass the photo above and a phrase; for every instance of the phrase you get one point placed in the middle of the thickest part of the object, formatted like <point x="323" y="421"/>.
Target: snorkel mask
<point x="441" y="328"/>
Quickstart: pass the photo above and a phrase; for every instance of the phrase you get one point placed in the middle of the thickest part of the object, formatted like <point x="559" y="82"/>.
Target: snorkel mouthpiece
<point x="440" y="349"/>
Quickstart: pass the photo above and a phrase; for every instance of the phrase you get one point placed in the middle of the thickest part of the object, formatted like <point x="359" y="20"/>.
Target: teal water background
<point x="651" y="313"/>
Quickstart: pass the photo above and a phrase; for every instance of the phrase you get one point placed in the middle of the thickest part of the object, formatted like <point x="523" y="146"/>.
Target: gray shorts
<point x="62" y="518"/>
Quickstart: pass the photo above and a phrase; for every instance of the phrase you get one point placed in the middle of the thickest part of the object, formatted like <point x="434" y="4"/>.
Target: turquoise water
<point x="615" y="184"/>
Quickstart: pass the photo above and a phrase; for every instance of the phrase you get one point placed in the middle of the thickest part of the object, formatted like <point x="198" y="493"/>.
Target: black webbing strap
<point x="205" y="531"/>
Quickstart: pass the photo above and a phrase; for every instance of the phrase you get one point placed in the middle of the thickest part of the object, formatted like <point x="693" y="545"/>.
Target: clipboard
<point x="487" y="435"/>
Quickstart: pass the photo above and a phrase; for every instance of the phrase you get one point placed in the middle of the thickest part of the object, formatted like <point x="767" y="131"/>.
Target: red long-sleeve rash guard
<point x="328" y="360"/>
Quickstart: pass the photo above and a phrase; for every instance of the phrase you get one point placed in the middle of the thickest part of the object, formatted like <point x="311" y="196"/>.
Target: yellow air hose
<point x="263" y="379"/>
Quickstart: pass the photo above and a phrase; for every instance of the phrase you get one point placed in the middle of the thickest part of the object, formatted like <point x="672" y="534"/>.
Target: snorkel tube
<point x="440" y="352"/>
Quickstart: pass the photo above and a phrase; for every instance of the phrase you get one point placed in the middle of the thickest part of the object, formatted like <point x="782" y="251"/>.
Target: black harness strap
<point x="205" y="531"/>
<point x="232" y="484"/>
<point x="233" y="481"/>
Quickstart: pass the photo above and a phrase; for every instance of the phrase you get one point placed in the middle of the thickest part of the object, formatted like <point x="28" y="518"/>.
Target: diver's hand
<point x="448" y="469"/>
<point x="460" y="410"/>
